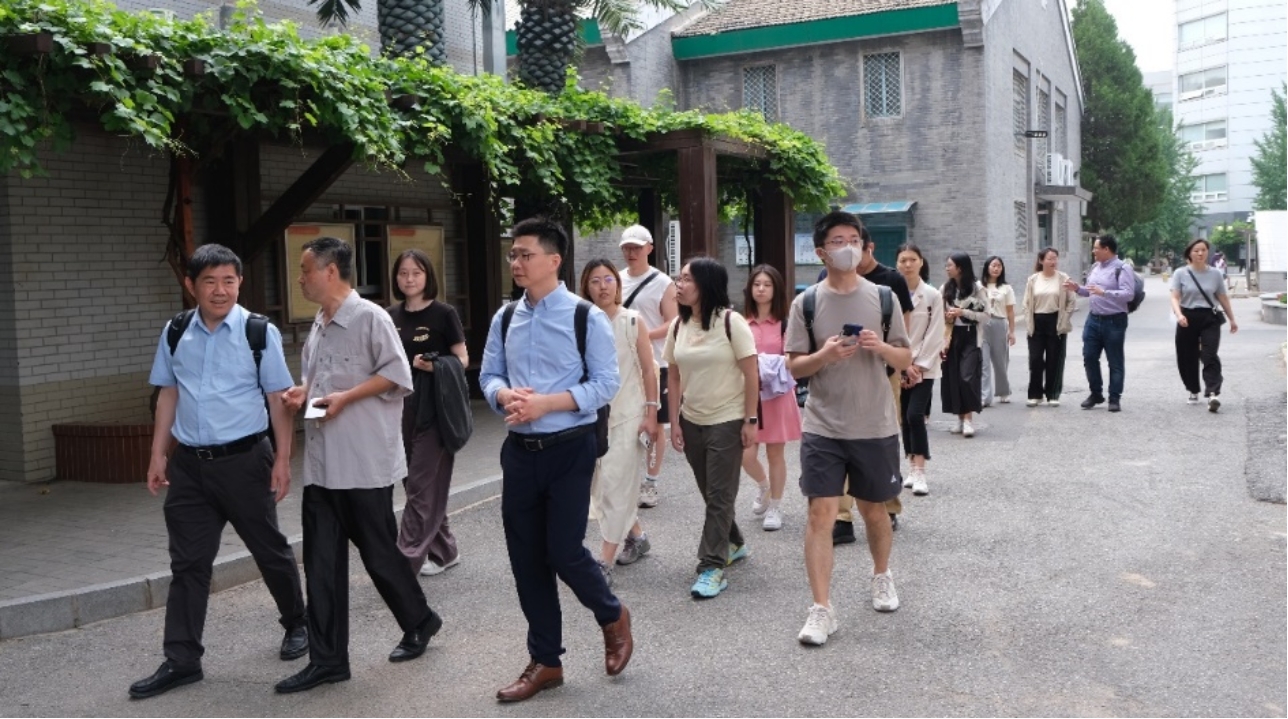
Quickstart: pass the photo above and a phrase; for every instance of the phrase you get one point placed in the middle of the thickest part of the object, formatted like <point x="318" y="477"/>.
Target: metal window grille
<point x="760" y="90"/>
<point x="1044" y="120"/>
<point x="1020" y="107"/>
<point x="1021" y="226"/>
<point x="881" y="85"/>
<point x="1061" y="231"/>
<point x="1061" y="132"/>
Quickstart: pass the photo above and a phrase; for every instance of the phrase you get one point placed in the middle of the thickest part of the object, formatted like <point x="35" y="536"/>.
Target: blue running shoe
<point x="710" y="583"/>
<point x="737" y="554"/>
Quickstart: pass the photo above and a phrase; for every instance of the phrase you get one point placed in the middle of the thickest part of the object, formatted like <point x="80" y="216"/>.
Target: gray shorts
<point x="871" y="464"/>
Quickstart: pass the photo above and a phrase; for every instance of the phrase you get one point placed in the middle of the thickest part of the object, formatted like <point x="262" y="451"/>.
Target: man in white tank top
<point x="650" y="292"/>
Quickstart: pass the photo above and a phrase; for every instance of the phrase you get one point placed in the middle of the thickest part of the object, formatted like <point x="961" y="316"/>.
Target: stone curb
<point x="59" y="611"/>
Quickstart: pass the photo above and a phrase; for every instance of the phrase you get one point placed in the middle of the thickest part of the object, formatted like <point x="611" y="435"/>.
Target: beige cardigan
<point x="1064" y="316"/>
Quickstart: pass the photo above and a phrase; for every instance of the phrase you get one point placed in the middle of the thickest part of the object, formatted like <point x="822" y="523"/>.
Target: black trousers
<point x="545" y="500"/>
<point x="205" y="495"/>
<point x="332" y="519"/>
<point x="1199" y="343"/>
<point x="962" y="374"/>
<point x="916" y="404"/>
<point x="1046" y="358"/>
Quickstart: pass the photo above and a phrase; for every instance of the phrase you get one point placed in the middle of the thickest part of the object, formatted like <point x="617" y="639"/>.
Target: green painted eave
<point x="588" y="29"/>
<point x="814" y="32"/>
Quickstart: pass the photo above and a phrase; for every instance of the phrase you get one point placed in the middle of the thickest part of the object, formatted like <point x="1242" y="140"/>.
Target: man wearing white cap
<point x="650" y="292"/>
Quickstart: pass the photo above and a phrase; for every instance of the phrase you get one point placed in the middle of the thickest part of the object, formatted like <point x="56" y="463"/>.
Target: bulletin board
<point x="298" y="309"/>
<point x="426" y="238"/>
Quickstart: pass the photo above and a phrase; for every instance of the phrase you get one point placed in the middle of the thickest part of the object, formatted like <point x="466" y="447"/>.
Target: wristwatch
<point x="752" y="420"/>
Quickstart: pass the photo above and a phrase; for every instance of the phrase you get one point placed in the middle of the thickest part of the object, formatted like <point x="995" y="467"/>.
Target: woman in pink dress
<point x="765" y="306"/>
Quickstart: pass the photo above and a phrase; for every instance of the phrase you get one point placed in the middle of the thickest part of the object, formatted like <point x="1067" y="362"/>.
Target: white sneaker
<point x="1194" y="399"/>
<point x="957" y="428"/>
<point x="773" y="520"/>
<point x="1032" y="402"/>
<point x="648" y="494"/>
<point x="919" y="487"/>
<point x="431" y="567"/>
<point x="968" y="430"/>
<point x="1214" y="404"/>
<point x="759" y="506"/>
<point x="884" y="596"/>
<point x="1053" y="403"/>
<point x="819" y="625"/>
<point x="907" y="480"/>
<point x="1004" y="399"/>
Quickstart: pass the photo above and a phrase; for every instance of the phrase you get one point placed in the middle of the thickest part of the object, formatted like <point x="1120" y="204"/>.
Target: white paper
<point x="313" y="411"/>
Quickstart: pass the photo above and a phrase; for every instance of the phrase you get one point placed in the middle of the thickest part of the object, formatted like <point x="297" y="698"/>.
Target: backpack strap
<point x="887" y="310"/>
<point x="506" y="316"/>
<point x="257" y="338"/>
<point x="807" y="307"/>
<point x="581" y="318"/>
<point x="178" y="325"/>
<point x="728" y="332"/>
<point x="640" y="287"/>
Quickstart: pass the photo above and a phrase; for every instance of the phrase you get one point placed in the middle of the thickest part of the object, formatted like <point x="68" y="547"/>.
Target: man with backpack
<point x="849" y="423"/>
<point x="214" y="366"/>
<point x="548" y="367"/>
<point x="1114" y="291"/>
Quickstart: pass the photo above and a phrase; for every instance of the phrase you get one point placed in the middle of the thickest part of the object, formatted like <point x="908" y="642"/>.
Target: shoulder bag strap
<point x="640" y="287"/>
<point x="1201" y="290"/>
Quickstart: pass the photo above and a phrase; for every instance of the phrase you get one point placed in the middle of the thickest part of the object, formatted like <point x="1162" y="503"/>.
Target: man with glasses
<point x="1111" y="284"/>
<point x="549" y="391"/>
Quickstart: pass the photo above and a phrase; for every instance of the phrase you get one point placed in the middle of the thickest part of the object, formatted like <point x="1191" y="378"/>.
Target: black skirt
<point x="959" y="390"/>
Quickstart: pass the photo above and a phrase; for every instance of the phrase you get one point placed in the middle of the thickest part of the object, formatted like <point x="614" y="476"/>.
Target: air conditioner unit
<point x="1054" y="168"/>
<point x="1067" y="173"/>
<point x="673" y="248"/>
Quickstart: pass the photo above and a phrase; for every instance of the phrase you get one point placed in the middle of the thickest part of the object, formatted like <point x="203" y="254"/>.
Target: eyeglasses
<point x="842" y="243"/>
<point x="603" y="281"/>
<point x="524" y="257"/>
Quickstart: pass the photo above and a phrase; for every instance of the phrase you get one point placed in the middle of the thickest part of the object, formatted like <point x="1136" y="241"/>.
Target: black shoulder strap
<point x="807" y="308"/>
<point x="178" y="325"/>
<point x="638" y="288"/>
<point x="506" y="316"/>
<point x="1201" y="290"/>
<point x="257" y="336"/>
<point x="581" y="318"/>
<point x="728" y="332"/>
<point x="887" y="310"/>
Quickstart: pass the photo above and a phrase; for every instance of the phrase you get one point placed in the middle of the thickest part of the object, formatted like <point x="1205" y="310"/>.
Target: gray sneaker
<point x="633" y="549"/>
<point x="607" y="571"/>
<point x="648" y="494"/>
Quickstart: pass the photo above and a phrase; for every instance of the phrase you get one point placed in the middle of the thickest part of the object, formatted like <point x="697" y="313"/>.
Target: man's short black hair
<point x="212" y="255"/>
<point x="332" y="251"/>
<point x="550" y="234"/>
<point x="1108" y="242"/>
<point x="834" y="219"/>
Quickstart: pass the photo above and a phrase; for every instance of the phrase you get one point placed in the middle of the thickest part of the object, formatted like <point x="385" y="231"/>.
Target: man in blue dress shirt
<point x="534" y="379"/>
<point x="224" y="470"/>
<point x="1111" y="284"/>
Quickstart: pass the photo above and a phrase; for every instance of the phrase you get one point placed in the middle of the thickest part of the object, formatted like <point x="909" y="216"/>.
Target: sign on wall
<point x="805" y="250"/>
<point x="745" y="250"/>
<point x="299" y="309"/>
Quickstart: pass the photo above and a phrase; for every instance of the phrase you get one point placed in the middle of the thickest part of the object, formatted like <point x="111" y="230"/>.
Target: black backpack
<point x="581" y="319"/>
<point x="256" y="337"/>
<point x="1139" y="295"/>
<point x="807" y="309"/>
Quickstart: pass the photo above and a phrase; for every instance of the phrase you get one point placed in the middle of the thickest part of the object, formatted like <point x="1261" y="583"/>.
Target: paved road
<point x="1067" y="562"/>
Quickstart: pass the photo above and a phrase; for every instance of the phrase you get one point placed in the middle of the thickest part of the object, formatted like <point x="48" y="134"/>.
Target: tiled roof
<point x="744" y="14"/>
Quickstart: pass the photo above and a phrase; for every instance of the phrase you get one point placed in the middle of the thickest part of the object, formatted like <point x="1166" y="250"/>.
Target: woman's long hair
<point x="1042" y="255"/>
<point x="1001" y="279"/>
<point x="777" y="301"/>
<point x="713" y="289"/>
<point x="591" y="267"/>
<point x="924" y="274"/>
<point x="964" y="285"/>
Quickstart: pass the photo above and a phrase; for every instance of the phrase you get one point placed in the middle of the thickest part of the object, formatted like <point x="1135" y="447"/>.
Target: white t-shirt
<point x="648" y="303"/>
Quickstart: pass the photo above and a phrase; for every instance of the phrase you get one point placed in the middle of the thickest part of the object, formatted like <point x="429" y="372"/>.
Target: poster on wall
<point x="745" y="250"/>
<point x="805" y="250"/>
<point x="426" y="238"/>
<point x="299" y="309"/>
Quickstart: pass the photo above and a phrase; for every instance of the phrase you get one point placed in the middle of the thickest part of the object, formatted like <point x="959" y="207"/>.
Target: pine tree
<point x="1270" y="164"/>
<point x="1122" y="161"/>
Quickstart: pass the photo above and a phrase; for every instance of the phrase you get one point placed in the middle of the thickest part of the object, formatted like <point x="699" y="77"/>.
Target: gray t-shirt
<point x="1210" y="279"/>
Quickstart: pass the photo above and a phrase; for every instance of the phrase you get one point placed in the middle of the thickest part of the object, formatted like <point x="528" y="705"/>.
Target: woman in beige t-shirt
<point x="999" y="334"/>
<point x="713" y="373"/>
<point x="1048" y="314"/>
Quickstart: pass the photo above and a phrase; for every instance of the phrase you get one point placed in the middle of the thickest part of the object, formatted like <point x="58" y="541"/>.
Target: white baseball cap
<point x="637" y="235"/>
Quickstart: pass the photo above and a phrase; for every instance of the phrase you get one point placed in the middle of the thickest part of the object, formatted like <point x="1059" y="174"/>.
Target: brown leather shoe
<point x="618" y="643"/>
<point x="536" y="678"/>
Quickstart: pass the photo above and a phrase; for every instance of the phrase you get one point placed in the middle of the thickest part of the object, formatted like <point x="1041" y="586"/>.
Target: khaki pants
<point x="893" y="506"/>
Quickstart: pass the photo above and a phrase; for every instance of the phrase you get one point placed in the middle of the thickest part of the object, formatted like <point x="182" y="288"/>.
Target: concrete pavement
<point x="1067" y="562"/>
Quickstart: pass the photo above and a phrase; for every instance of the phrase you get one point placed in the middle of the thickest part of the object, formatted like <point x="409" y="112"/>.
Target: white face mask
<point x="846" y="258"/>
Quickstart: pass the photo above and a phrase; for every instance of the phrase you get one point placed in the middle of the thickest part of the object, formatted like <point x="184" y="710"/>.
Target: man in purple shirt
<point x="1110" y="285"/>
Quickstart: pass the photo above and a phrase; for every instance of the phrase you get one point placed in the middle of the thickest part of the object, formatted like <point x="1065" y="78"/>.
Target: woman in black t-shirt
<point x="425" y="326"/>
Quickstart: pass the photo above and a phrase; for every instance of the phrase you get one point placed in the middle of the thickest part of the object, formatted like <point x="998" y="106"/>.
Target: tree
<point x="1123" y="164"/>
<point x="1270" y="164"/>
<point x="404" y="25"/>
<point x="1232" y="238"/>
<point x="1169" y="229"/>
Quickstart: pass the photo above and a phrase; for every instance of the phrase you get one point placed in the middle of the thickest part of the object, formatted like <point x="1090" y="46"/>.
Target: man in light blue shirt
<point x="533" y="376"/>
<point x="211" y="402"/>
<point x="1111" y="284"/>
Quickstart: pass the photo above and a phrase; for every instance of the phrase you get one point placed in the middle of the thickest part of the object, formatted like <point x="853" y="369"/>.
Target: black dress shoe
<point x="1092" y="401"/>
<point x="311" y="676"/>
<point x="295" y="644"/>
<point x="843" y="533"/>
<point x="894" y="522"/>
<point x="167" y="677"/>
<point x="414" y="642"/>
<point x="1114" y="406"/>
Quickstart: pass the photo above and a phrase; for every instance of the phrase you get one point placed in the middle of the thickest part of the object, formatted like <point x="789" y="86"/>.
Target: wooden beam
<point x="774" y="223"/>
<point x="650" y="216"/>
<point x="144" y="63"/>
<point x="99" y="49"/>
<point x="297" y="198"/>
<point x="406" y="102"/>
<point x="35" y="43"/>
<point x="697" y="201"/>
<point x="194" y="67"/>
<point x="482" y="255"/>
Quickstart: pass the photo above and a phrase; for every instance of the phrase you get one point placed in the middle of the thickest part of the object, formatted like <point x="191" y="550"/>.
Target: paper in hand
<point x="313" y="411"/>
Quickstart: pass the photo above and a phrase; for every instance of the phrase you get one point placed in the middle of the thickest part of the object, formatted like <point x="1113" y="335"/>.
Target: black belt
<point x="216" y="451"/>
<point x="538" y="442"/>
<point x="1115" y="314"/>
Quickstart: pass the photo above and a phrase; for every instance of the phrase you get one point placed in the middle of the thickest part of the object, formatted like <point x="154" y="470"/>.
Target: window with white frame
<point x="760" y="90"/>
<point x="1204" y="136"/>
<point x="882" y="86"/>
<point x="1201" y="32"/>
<point x="1210" y="188"/>
<point x="1019" y="107"/>
<point x="1202" y="83"/>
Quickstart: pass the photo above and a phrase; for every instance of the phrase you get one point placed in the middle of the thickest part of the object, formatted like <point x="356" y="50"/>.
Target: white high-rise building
<point x="1230" y="55"/>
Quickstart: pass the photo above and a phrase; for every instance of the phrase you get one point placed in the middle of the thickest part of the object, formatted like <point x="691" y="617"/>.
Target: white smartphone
<point x="313" y="411"/>
<point x="646" y="440"/>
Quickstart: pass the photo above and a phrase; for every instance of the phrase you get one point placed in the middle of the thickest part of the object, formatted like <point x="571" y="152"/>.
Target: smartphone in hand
<point x="851" y="334"/>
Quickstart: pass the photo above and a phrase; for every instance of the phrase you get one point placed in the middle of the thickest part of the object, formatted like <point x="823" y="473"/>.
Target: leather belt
<point x="216" y="451"/>
<point x="538" y="442"/>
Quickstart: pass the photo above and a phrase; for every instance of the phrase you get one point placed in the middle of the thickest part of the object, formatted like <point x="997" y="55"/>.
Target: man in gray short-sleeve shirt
<point x="849" y="423"/>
